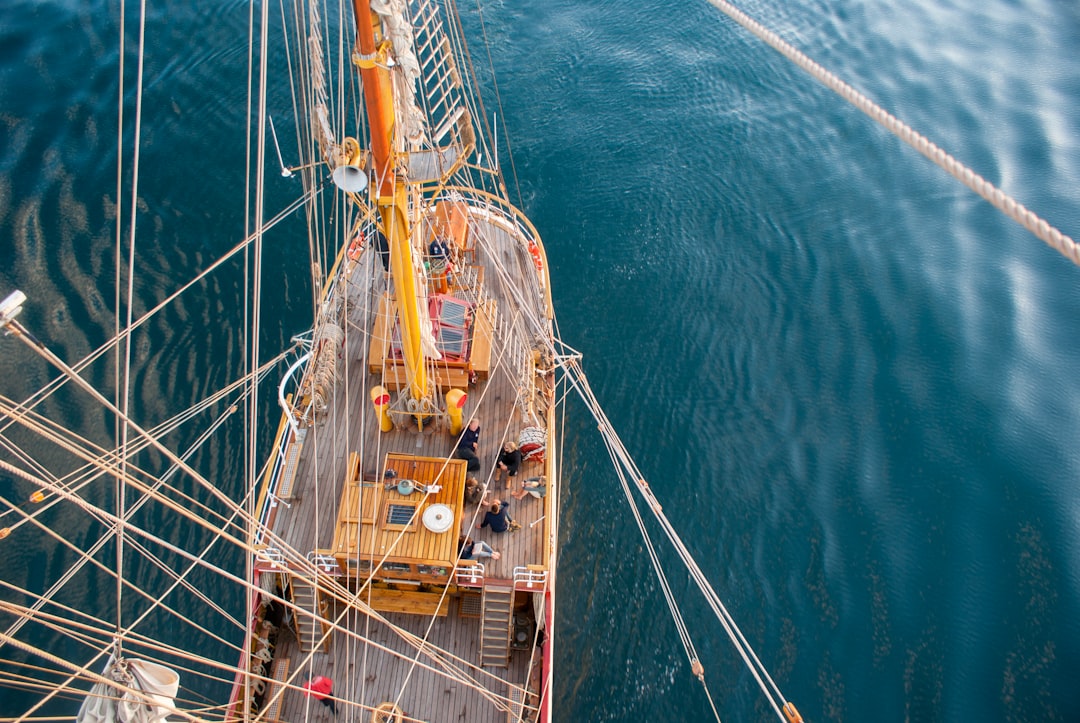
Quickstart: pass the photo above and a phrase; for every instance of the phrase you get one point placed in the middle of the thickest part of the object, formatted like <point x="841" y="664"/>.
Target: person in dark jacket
<point x="497" y="517"/>
<point x="468" y="445"/>
<point x="509" y="461"/>
<point x="475" y="549"/>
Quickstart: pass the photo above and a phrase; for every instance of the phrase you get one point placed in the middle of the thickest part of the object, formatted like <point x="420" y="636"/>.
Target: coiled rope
<point x="1008" y="205"/>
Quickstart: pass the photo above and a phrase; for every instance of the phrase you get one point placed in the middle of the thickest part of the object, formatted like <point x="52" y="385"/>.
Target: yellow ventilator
<point x="455" y="401"/>
<point x="381" y="399"/>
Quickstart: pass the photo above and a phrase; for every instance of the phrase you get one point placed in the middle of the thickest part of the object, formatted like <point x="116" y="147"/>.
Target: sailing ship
<point x="400" y="538"/>
<point x="386" y="548"/>
<point x="371" y="586"/>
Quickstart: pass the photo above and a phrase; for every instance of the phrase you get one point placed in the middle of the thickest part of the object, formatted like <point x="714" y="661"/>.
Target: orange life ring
<point x="356" y="247"/>
<point x="534" y="251"/>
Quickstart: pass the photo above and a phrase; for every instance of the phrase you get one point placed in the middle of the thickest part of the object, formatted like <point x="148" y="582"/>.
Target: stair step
<point x="497" y="608"/>
<point x="305" y="597"/>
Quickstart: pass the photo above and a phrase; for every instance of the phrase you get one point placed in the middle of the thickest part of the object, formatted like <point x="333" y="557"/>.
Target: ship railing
<point x="270" y="556"/>
<point x="325" y="563"/>
<point x="530" y="577"/>
<point x="282" y="475"/>
<point x="469" y="573"/>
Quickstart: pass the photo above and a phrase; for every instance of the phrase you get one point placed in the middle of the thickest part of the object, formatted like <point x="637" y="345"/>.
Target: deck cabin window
<point x="451" y="318"/>
<point x="400" y="515"/>
<point x="434" y="570"/>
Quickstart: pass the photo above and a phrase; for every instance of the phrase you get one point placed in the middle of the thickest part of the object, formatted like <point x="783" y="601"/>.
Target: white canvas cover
<point x="107" y="703"/>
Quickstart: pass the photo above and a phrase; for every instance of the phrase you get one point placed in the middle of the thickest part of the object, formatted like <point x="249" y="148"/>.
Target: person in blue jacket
<point x="468" y="445"/>
<point x="497" y="517"/>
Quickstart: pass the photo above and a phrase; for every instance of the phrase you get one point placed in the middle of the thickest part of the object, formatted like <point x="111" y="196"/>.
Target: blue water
<point x="851" y="382"/>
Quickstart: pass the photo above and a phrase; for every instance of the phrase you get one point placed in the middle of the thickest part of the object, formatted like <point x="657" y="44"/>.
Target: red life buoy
<point x="356" y="247"/>
<point x="534" y="251"/>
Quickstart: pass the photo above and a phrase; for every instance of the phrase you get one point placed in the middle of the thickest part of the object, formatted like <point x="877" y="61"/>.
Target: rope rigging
<point x="625" y="466"/>
<point x="122" y="373"/>
<point x="233" y="525"/>
<point x="673" y="607"/>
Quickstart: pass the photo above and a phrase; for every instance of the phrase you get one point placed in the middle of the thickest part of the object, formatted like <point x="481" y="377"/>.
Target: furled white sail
<point x="122" y="702"/>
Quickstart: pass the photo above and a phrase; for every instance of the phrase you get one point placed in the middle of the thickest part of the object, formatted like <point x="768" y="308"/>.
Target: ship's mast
<point x="391" y="200"/>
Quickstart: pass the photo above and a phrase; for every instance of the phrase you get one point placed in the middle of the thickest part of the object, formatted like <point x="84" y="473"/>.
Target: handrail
<point x="326" y="563"/>
<point x="529" y="578"/>
<point x="272" y="556"/>
<point x="469" y="573"/>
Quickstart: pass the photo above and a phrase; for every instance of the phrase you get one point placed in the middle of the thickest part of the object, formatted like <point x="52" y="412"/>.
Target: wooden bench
<point x="381" y="334"/>
<point x="446" y="377"/>
<point x="288" y="468"/>
<point x="409" y="601"/>
<point x="483" y="331"/>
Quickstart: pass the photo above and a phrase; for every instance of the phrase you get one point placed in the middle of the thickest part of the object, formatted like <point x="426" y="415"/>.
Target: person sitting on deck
<point x="498" y="517"/>
<point x="441" y="266"/>
<point x="509" y="461"/>
<point x="474" y="491"/>
<point x="468" y="444"/>
<point x="474" y="549"/>
<point x="535" y="486"/>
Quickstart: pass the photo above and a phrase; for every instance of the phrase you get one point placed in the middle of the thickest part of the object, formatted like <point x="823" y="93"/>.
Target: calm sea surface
<point x="852" y="383"/>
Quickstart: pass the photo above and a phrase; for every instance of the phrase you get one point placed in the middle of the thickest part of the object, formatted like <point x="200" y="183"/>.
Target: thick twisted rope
<point x="1008" y="205"/>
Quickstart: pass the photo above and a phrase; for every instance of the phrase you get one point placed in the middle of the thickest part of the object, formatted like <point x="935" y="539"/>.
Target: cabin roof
<point x="375" y="519"/>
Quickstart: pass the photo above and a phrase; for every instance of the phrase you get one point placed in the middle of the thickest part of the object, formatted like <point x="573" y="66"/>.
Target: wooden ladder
<point x="310" y="626"/>
<point x="495" y="627"/>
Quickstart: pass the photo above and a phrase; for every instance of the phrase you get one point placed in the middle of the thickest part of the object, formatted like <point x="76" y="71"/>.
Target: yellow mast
<point x="391" y="200"/>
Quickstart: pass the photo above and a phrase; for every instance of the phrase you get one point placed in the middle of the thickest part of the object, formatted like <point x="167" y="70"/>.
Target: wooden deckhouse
<point x="399" y="531"/>
<point x="462" y="317"/>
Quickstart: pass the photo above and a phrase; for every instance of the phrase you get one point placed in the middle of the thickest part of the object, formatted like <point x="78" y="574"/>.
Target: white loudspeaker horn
<point x="349" y="175"/>
<point x="350" y="179"/>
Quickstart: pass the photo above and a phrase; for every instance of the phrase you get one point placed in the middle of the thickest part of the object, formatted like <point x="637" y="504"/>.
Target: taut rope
<point x="1008" y="205"/>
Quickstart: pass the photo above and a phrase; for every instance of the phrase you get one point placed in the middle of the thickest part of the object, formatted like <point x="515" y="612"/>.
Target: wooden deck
<point x="364" y="673"/>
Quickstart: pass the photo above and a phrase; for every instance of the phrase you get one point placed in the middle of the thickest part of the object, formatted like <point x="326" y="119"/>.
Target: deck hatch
<point x="400" y="515"/>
